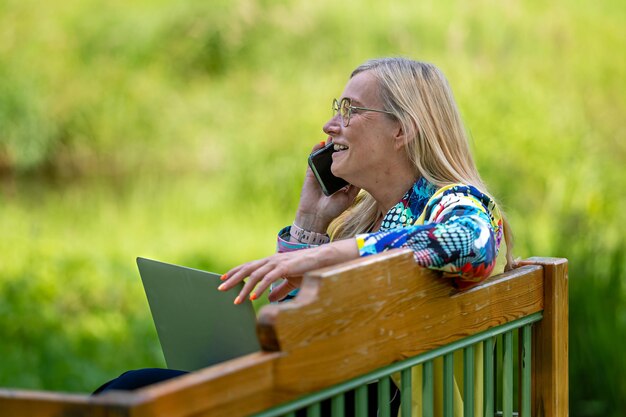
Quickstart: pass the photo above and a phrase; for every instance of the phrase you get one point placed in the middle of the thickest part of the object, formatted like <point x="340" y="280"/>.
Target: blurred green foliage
<point x="179" y="131"/>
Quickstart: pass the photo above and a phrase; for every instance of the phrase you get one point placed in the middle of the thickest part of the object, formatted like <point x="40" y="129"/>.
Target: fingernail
<point x="253" y="296"/>
<point x="223" y="277"/>
<point x="237" y="300"/>
<point x="322" y="143"/>
<point x="221" y="287"/>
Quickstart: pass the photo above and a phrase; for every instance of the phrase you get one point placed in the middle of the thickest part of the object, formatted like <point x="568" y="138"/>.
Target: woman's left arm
<point x="289" y="265"/>
<point x="461" y="237"/>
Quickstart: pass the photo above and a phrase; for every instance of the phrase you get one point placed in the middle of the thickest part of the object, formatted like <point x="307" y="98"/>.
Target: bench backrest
<point x="349" y="320"/>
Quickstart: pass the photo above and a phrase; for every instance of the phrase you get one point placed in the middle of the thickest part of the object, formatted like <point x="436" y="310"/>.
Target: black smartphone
<point x="320" y="162"/>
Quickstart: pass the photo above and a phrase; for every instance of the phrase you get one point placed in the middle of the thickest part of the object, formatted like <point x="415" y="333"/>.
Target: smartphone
<point x="320" y="162"/>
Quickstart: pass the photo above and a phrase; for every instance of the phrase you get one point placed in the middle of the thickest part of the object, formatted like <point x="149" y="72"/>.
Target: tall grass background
<point x="180" y="131"/>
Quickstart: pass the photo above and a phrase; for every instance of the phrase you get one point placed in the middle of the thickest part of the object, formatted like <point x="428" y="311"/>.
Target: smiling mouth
<point x="339" y="147"/>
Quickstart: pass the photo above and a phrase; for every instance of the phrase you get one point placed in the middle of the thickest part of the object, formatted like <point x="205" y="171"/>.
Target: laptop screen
<point x="197" y="325"/>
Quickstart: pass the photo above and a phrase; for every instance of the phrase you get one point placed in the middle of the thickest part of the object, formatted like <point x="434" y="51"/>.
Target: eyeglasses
<point x="345" y="107"/>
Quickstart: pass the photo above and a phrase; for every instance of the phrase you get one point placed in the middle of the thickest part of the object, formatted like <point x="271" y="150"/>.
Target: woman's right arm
<point x="290" y="265"/>
<point x="315" y="213"/>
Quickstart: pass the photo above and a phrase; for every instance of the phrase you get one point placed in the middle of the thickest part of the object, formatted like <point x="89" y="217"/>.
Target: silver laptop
<point x="197" y="325"/>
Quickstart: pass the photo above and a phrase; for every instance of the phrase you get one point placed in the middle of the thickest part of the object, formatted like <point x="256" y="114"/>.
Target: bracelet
<point x="307" y="236"/>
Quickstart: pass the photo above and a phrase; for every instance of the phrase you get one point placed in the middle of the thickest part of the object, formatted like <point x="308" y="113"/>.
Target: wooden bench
<point x="364" y="319"/>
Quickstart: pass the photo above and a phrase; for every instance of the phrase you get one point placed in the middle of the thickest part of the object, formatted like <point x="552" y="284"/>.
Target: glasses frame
<point x="337" y="106"/>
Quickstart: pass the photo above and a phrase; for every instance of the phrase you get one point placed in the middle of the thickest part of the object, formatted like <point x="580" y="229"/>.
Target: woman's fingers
<point x="272" y="276"/>
<point x="263" y="276"/>
<point x="319" y="145"/>
<point x="237" y="274"/>
<point x="260" y="274"/>
<point x="263" y="272"/>
<point x="231" y="272"/>
<point x="281" y="291"/>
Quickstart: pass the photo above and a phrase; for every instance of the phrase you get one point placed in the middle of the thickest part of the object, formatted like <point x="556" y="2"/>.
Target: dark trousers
<point x="139" y="378"/>
<point x="132" y="380"/>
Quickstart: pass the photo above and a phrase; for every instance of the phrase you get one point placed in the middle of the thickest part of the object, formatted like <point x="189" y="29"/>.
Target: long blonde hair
<point x="420" y="98"/>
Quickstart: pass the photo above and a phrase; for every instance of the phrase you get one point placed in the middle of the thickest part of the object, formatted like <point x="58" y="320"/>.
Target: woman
<point x="403" y="149"/>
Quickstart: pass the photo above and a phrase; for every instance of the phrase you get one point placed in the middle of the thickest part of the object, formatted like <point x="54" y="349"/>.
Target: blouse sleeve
<point x="460" y="236"/>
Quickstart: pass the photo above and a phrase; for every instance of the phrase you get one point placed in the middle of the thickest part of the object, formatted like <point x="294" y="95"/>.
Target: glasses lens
<point x="335" y="107"/>
<point x="345" y="111"/>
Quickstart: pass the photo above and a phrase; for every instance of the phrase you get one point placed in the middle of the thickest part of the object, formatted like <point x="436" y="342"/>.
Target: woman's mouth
<point x="339" y="147"/>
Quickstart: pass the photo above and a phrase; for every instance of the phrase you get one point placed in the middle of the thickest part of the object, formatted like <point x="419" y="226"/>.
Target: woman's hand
<point x="315" y="210"/>
<point x="288" y="265"/>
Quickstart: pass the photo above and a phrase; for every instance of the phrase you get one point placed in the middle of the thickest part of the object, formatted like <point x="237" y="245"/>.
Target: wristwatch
<point x="307" y="236"/>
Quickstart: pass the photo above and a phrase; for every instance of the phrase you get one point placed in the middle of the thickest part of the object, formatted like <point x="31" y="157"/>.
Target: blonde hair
<point x="420" y="98"/>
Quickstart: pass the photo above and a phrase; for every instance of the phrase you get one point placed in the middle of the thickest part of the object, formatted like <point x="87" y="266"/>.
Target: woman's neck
<point x="388" y="195"/>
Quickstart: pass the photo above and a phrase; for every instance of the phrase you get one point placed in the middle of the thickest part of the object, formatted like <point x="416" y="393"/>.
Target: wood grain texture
<point x="47" y="404"/>
<point x="550" y="375"/>
<point x="369" y="313"/>
<point x="347" y="320"/>
<point x="244" y="384"/>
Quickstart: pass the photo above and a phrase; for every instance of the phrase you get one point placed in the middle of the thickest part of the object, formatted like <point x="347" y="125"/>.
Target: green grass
<point x="180" y="132"/>
<point x="73" y="311"/>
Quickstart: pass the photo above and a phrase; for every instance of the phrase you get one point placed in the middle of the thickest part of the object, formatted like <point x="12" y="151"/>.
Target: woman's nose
<point x="332" y="126"/>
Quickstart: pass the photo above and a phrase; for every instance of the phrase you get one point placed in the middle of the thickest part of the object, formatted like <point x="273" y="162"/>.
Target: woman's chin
<point x="336" y="170"/>
<point x="341" y="174"/>
<point x="341" y="167"/>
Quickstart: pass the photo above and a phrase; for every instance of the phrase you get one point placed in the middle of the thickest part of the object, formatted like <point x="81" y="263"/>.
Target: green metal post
<point x="428" y="409"/>
<point x="405" y="392"/>
<point x="507" y="375"/>
<point x="314" y="410"/>
<point x="448" y="385"/>
<point x="360" y="400"/>
<point x="526" y="368"/>
<point x="468" y="381"/>
<point x="383" y="397"/>
<point x="488" y="356"/>
<point x="337" y="405"/>
<point x="497" y="374"/>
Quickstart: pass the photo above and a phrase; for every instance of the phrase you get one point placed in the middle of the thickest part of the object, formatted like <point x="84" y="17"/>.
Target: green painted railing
<point x="311" y="405"/>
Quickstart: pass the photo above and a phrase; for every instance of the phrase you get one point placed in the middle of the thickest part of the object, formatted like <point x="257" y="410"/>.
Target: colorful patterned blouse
<point x="455" y="229"/>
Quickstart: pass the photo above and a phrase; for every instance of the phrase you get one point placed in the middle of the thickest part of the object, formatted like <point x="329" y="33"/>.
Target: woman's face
<point x="371" y="152"/>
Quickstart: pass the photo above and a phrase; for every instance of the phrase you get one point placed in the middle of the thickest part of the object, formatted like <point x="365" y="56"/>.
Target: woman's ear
<point x="400" y="138"/>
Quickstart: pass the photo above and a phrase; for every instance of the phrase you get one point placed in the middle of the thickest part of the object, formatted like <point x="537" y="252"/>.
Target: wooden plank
<point x="238" y="387"/>
<point x="47" y="404"/>
<point x="359" y="316"/>
<point x="550" y="342"/>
